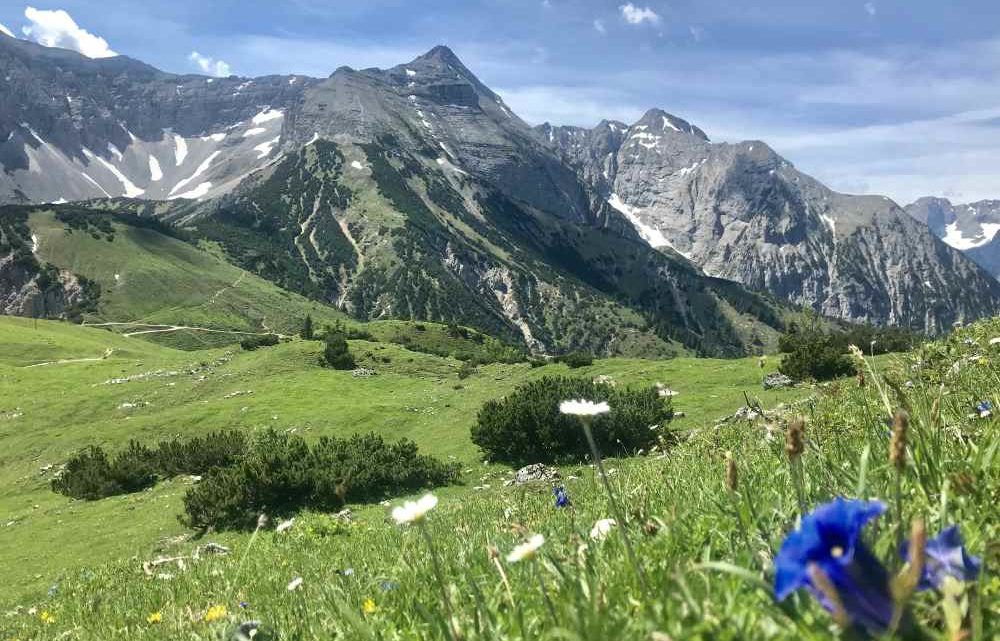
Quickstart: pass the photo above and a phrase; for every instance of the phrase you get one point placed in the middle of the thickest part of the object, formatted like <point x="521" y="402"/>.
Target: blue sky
<point x="897" y="97"/>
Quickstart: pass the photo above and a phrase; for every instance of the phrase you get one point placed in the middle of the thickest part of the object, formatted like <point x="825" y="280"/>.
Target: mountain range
<point x="415" y="192"/>
<point x="973" y="228"/>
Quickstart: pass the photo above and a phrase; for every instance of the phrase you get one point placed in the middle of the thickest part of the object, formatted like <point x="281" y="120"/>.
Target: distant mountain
<point x="743" y="213"/>
<point x="415" y="192"/>
<point x="973" y="228"/>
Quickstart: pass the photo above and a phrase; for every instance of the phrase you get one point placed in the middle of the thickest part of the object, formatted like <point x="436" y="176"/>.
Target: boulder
<point x="535" y="472"/>
<point x="777" y="380"/>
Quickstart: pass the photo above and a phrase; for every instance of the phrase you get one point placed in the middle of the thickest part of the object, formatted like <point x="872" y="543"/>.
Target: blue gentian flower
<point x="830" y="538"/>
<point x="562" y="499"/>
<point x="945" y="555"/>
<point x="388" y="586"/>
<point x="244" y="605"/>
<point x="985" y="408"/>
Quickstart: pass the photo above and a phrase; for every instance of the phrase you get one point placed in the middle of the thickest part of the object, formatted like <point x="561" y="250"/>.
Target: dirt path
<point x="108" y="352"/>
<point x="160" y="329"/>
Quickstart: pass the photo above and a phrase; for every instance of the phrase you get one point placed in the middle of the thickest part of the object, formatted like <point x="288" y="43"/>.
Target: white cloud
<point x="599" y="27"/>
<point x="210" y="65"/>
<point x="569" y="105"/>
<point x="4" y="30"/>
<point x="637" y="15"/>
<point x="870" y="8"/>
<point x="57" y="29"/>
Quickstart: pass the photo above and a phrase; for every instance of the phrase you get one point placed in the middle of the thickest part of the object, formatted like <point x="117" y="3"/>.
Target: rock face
<point x="973" y="228"/>
<point x="743" y="213"/>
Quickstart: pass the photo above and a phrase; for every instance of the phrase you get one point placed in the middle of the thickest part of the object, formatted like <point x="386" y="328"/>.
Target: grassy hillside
<point x="47" y="412"/>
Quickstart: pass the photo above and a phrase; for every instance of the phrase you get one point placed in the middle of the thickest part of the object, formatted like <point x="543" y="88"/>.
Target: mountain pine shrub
<point x="527" y="427"/>
<point x="281" y="474"/>
<point x="336" y="354"/>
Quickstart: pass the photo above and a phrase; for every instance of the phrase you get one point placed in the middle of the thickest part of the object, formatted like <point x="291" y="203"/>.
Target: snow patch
<point x="131" y="191"/>
<point x="202" y="168"/>
<point x="444" y="162"/>
<point x="831" y="223"/>
<point x="256" y="131"/>
<point x="669" y="125"/>
<point x="651" y="235"/>
<point x="684" y="171"/>
<point x="314" y="138"/>
<point x="34" y="244"/>
<point x="954" y="237"/>
<point x="155" y="173"/>
<point x="264" y="149"/>
<point x="411" y="72"/>
<point x="180" y="149"/>
<point x="267" y="115"/>
<point x="214" y="137"/>
<point x="357" y="165"/>
<point x="195" y="193"/>
<point x="96" y="184"/>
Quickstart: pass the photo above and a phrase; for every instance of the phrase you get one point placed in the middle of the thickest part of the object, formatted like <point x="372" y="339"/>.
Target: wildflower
<point x="154" y="617"/>
<point x="527" y="549"/>
<point x="897" y="447"/>
<point x="284" y="525"/>
<point x="47" y="617"/>
<point x="562" y="499"/>
<point x="369" y="607"/>
<point x="985" y="409"/>
<point x="602" y="528"/>
<point x="262" y="521"/>
<point x="995" y="340"/>
<point x="215" y="613"/>
<point x="584" y="408"/>
<point x="244" y="605"/>
<point x="827" y="557"/>
<point x="945" y="556"/>
<point x="294" y="584"/>
<point x="415" y="511"/>
<point x="388" y="586"/>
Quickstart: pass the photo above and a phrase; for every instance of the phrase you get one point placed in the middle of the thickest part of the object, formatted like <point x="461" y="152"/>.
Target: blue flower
<point x="562" y="499"/>
<point x="388" y="586"/>
<point x="945" y="555"/>
<point x="984" y="408"/>
<point x="830" y="539"/>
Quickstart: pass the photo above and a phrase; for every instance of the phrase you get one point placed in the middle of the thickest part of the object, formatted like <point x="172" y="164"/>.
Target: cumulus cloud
<point x="58" y="29"/>
<point x="4" y="30"/>
<point x="599" y="27"/>
<point x="870" y="8"/>
<point x="210" y="65"/>
<point x="637" y="15"/>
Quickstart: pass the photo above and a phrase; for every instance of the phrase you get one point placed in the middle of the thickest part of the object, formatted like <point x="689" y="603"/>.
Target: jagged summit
<point x="441" y="54"/>
<point x="659" y="121"/>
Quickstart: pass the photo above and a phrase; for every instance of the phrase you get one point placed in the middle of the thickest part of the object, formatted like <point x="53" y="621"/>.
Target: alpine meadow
<point x="320" y="336"/>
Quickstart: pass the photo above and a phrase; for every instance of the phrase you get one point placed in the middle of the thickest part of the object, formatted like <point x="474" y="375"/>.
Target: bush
<point x="576" y="359"/>
<point x="307" y="328"/>
<point x="467" y="369"/>
<point x="251" y="343"/>
<point x="91" y="475"/>
<point x="813" y="353"/>
<point x="526" y="427"/>
<point x="280" y="475"/>
<point x="336" y="355"/>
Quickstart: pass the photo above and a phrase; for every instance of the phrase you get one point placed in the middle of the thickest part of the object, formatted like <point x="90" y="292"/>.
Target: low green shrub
<point x="576" y="359"/>
<point x="251" y="343"/>
<point x="281" y="474"/>
<point x="527" y="427"/>
<point x="812" y="353"/>
<point x="92" y="475"/>
<point x="336" y="354"/>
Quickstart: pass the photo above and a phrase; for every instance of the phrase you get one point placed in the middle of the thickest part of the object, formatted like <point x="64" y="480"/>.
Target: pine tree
<point x="336" y="354"/>
<point x="307" y="328"/>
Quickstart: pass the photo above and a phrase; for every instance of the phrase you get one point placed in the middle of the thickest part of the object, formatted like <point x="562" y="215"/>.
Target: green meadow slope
<point x="49" y="411"/>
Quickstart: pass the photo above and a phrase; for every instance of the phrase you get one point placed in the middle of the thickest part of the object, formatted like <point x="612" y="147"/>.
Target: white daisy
<point x="284" y="525"/>
<point x="295" y="584"/>
<point x="602" y="528"/>
<point x="527" y="549"/>
<point x="414" y="511"/>
<point x="583" y="408"/>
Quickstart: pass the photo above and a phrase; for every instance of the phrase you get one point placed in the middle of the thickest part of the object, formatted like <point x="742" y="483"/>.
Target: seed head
<point x="731" y="476"/>
<point x="795" y="439"/>
<point x="897" y="447"/>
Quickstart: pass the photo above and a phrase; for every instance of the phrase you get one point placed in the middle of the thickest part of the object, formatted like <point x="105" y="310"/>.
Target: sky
<point x="894" y="97"/>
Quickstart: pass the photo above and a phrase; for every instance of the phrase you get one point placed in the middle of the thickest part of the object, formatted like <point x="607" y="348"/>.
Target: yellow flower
<point x="46" y="617"/>
<point x="215" y="613"/>
<point x="369" y="607"/>
<point x="154" y="617"/>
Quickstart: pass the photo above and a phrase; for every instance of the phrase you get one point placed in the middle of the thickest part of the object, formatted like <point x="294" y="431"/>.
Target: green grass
<point x="707" y="553"/>
<point x="64" y="407"/>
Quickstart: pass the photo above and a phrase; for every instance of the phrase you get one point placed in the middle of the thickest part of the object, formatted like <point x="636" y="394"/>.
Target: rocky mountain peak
<point x="660" y="122"/>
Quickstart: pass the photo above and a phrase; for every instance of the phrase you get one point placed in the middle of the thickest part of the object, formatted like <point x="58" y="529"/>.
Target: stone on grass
<point x="777" y="380"/>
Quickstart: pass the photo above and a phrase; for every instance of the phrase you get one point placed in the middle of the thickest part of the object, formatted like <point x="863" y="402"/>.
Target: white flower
<point x="284" y="525"/>
<point x="527" y="549"/>
<point x="583" y="408"/>
<point x="995" y="340"/>
<point x="294" y="584"/>
<point x="413" y="511"/>
<point x="601" y="529"/>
